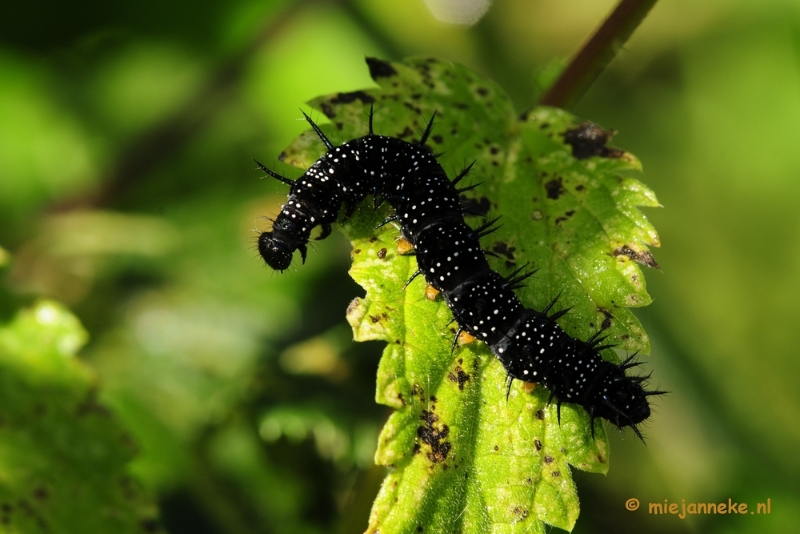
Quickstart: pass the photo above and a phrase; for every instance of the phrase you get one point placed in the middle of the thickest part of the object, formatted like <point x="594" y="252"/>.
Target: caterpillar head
<point x="277" y="254"/>
<point x="277" y="246"/>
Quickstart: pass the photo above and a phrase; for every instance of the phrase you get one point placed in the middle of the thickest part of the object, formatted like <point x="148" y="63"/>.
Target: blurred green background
<point x="128" y="192"/>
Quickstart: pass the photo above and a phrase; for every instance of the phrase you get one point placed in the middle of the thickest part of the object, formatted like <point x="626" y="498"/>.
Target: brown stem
<point x="596" y="54"/>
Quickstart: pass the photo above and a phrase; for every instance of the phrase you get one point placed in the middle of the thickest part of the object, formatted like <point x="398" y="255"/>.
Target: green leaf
<point x="464" y="454"/>
<point x="62" y="455"/>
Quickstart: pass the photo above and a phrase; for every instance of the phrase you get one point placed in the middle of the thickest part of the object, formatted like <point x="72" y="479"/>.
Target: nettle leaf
<point x="463" y="457"/>
<point x="63" y="457"/>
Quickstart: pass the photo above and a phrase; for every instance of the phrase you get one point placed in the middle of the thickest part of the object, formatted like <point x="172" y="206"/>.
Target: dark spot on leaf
<point x="496" y="448"/>
<point x="607" y="316"/>
<point x="460" y="377"/>
<point x="375" y="318"/>
<point x="548" y="459"/>
<point x="327" y="109"/>
<point x="40" y="493"/>
<point x="346" y="98"/>
<point x="642" y="257"/>
<point x="401" y="399"/>
<point x="380" y="69"/>
<point x="556" y="473"/>
<point x="438" y="139"/>
<point x="406" y="133"/>
<point x="413" y="108"/>
<point x="493" y="150"/>
<point x="540" y="414"/>
<point x="564" y="217"/>
<point x="555" y="188"/>
<point x="356" y="251"/>
<point x="503" y="249"/>
<point x="483" y="91"/>
<point x="580" y="187"/>
<point x="382" y="253"/>
<point x="434" y="437"/>
<point x="419" y="528"/>
<point x="588" y="139"/>
<point x="520" y="513"/>
<point x="373" y="239"/>
<point x="476" y="206"/>
<point x="601" y="458"/>
<point x="460" y="105"/>
<point x="537" y="444"/>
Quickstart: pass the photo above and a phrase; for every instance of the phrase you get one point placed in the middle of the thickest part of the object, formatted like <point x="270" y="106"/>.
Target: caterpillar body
<point x="530" y="344"/>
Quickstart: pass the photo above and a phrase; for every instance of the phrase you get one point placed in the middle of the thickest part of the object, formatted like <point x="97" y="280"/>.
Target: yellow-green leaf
<point x="466" y="454"/>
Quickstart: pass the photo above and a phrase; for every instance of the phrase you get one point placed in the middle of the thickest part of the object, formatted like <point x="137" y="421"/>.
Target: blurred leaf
<point x="463" y="457"/>
<point x="44" y="148"/>
<point x="73" y="250"/>
<point x="143" y="84"/>
<point x="63" y="458"/>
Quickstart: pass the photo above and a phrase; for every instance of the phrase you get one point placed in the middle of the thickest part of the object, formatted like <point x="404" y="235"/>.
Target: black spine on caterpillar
<point x="530" y="344"/>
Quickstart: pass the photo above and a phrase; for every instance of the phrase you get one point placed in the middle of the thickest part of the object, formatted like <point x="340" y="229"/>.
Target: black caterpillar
<point x="530" y="344"/>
